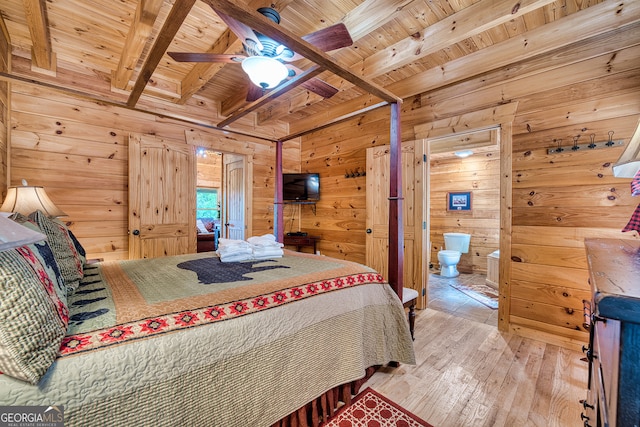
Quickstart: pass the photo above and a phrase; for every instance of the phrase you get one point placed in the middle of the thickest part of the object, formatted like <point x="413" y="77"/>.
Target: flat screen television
<point x="302" y="187"/>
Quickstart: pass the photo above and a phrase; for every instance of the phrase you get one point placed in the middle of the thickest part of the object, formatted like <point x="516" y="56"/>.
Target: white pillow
<point x="201" y="227"/>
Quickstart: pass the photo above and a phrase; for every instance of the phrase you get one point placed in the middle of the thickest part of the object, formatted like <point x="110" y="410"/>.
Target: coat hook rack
<point x="354" y="174"/>
<point x="592" y="145"/>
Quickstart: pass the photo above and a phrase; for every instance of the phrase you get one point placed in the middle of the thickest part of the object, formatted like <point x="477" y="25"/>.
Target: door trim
<point x="501" y="118"/>
<point x="215" y="143"/>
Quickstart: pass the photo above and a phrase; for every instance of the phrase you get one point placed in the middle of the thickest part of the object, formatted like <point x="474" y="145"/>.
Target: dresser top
<point x="614" y="268"/>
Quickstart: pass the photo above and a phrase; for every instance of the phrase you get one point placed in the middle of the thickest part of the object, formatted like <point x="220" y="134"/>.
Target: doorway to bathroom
<point x="463" y="129"/>
<point x="464" y="197"/>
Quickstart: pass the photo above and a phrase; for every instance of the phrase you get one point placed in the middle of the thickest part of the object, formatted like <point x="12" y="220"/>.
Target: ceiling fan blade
<point x="320" y="87"/>
<point x="206" y="57"/>
<point x="254" y="92"/>
<point x="326" y="39"/>
<point x="246" y="35"/>
<point x="314" y="84"/>
<point x="330" y="38"/>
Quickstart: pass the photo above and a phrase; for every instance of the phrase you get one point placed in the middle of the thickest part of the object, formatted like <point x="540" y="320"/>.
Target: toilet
<point x="455" y="244"/>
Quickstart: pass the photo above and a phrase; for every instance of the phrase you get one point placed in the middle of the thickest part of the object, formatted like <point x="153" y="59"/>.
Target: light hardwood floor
<point x="470" y="374"/>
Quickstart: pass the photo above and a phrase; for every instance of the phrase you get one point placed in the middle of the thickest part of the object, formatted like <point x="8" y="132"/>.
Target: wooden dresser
<point x="613" y="318"/>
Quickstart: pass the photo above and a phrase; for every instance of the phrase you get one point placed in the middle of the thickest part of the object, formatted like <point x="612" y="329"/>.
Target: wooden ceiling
<point x="115" y="50"/>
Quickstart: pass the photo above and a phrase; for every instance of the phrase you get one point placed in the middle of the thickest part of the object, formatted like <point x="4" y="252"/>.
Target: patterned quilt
<point x="190" y="340"/>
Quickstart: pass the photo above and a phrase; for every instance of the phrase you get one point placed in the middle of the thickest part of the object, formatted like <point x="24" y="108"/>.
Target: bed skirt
<point x="323" y="407"/>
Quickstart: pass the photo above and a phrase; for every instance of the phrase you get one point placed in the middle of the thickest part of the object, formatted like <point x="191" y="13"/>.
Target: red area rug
<point x="371" y="409"/>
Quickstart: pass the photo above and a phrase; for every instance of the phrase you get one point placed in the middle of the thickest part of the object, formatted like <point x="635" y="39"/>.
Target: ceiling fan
<point x="267" y="62"/>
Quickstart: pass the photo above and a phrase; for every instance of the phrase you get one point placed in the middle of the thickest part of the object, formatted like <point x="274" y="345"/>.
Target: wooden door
<point x="162" y="197"/>
<point x="377" y="242"/>
<point x="234" y="195"/>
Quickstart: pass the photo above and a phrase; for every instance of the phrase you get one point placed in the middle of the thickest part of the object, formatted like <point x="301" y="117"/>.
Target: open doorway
<point x="221" y="188"/>
<point x="464" y="200"/>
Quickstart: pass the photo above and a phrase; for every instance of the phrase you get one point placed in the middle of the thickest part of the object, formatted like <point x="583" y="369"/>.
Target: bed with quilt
<point x="186" y="340"/>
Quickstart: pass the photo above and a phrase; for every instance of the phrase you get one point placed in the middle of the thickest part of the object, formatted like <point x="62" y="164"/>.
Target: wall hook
<point x="591" y="145"/>
<point x="575" y="143"/>
<point x="610" y="141"/>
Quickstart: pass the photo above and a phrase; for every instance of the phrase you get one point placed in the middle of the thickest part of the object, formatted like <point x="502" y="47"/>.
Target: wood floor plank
<point x="470" y="374"/>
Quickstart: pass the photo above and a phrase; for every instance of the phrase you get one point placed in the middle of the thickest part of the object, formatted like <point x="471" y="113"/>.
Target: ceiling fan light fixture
<point x="265" y="72"/>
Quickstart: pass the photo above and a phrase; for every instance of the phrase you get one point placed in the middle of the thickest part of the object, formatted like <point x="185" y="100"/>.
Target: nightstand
<point x="301" y="241"/>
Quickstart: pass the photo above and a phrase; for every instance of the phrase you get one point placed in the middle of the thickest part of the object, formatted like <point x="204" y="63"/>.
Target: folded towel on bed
<point x="267" y="253"/>
<point x="255" y="248"/>
<point x="230" y="250"/>
<point x="267" y="240"/>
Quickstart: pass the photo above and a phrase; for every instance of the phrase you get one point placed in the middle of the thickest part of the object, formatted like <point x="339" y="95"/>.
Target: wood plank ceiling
<point x="117" y="50"/>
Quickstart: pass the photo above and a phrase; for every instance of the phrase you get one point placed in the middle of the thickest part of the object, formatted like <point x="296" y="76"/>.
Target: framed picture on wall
<point x="459" y="201"/>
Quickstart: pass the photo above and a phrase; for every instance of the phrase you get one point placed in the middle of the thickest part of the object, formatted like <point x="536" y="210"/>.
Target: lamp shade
<point x="628" y="164"/>
<point x="264" y="71"/>
<point x="13" y="235"/>
<point x="26" y="199"/>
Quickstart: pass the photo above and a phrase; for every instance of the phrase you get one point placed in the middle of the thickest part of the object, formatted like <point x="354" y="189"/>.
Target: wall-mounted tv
<point x="301" y="187"/>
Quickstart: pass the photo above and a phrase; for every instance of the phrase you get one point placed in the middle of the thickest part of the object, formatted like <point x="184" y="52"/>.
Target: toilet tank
<point x="457" y="242"/>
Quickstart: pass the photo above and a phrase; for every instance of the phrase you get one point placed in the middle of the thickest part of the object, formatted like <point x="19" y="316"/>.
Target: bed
<point x="191" y="340"/>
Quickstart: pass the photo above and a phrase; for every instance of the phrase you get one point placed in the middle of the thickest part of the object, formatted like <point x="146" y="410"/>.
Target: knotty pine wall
<point x="78" y="149"/>
<point x="479" y="174"/>
<point x="209" y="170"/>
<point x="592" y="87"/>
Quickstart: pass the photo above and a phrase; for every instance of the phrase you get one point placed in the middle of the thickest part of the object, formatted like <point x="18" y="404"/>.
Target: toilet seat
<point x="450" y="253"/>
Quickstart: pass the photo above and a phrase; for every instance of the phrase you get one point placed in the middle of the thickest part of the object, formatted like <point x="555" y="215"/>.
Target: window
<point x="207" y="205"/>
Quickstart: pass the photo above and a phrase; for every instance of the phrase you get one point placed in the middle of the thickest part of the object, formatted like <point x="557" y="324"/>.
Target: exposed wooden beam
<point x="372" y="14"/>
<point x="41" y="53"/>
<point x="137" y="37"/>
<point x="591" y="22"/>
<point x="262" y="24"/>
<point x="462" y="25"/>
<point x="335" y="121"/>
<point x="172" y="24"/>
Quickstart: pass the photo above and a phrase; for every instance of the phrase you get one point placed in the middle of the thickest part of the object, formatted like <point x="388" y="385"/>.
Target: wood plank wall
<point x="591" y="87"/>
<point x="209" y="169"/>
<point x="77" y="149"/>
<point x="479" y="174"/>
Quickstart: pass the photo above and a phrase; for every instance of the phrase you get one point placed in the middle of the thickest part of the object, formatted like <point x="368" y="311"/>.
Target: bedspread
<point x="189" y="340"/>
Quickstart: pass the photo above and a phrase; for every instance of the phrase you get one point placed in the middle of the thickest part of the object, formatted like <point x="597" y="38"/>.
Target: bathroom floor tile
<point x="445" y="298"/>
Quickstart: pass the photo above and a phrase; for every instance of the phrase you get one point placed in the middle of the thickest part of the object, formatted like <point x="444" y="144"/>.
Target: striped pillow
<point x="33" y="313"/>
<point x="64" y="250"/>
